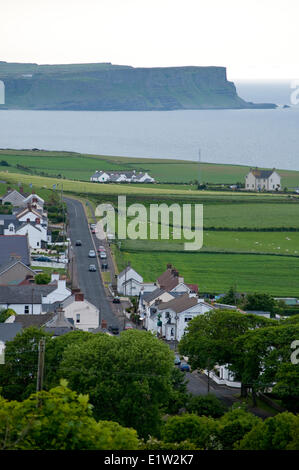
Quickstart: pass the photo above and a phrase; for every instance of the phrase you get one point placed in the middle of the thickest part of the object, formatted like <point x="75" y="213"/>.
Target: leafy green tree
<point x="42" y="278"/>
<point x="210" y="337"/>
<point x="230" y="297"/>
<point x="206" y="405"/>
<point x="262" y="302"/>
<point x="287" y="386"/>
<point x="178" y="395"/>
<point x="128" y="378"/>
<point x="234" y="425"/>
<point x="61" y="421"/>
<point x="259" y="353"/>
<point x="277" y="433"/>
<point x="199" y="430"/>
<point x="5" y="314"/>
<point x="18" y="374"/>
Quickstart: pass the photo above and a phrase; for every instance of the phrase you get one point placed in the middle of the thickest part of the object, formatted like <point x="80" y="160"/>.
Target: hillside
<point x="113" y="87"/>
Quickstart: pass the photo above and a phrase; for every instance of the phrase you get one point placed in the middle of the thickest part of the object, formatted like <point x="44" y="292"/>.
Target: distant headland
<point x="107" y="87"/>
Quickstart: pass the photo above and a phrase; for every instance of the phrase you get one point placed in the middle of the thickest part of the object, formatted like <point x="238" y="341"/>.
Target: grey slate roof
<point x="14" y="246"/>
<point x="33" y="320"/>
<point x="179" y="304"/>
<point x="153" y="295"/>
<point x="59" y="325"/>
<point x="9" y="330"/>
<point x="24" y="294"/>
<point x="5" y="220"/>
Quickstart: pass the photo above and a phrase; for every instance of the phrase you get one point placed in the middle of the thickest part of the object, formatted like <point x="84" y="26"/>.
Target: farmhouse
<point x="121" y="177"/>
<point x="262" y="180"/>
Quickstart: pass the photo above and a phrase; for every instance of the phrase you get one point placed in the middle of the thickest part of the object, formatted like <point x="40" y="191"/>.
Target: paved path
<point x="89" y="282"/>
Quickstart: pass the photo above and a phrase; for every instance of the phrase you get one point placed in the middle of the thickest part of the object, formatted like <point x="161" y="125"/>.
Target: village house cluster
<point x="104" y="176"/>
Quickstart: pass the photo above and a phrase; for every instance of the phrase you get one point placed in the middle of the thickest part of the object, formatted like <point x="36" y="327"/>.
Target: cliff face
<point x="111" y="87"/>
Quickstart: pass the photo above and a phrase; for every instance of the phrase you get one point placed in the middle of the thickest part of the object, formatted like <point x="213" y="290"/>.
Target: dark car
<point x="104" y="266"/>
<point x="42" y="258"/>
<point x="185" y="367"/>
<point x="78" y="243"/>
<point x="116" y="300"/>
<point x="113" y="329"/>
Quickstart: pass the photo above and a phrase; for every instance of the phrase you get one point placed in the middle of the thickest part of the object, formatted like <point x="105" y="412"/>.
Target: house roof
<point x="13" y="262"/>
<point x="169" y="279"/>
<point x="25" y="211"/>
<point x="14" y="196"/>
<point x="179" y="304"/>
<point x="59" y="325"/>
<point x="6" y="220"/>
<point x="33" y="320"/>
<point x="9" y="330"/>
<point x="126" y="270"/>
<point x="14" y="246"/>
<point x="148" y="297"/>
<point x="263" y="174"/>
<point x="25" y="294"/>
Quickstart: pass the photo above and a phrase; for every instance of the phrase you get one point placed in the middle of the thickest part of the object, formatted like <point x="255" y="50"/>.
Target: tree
<point x="178" y="395"/>
<point x="206" y="405"/>
<point x="63" y="421"/>
<point x="5" y="314"/>
<point x="42" y="278"/>
<point x="199" y="430"/>
<point x="260" y="352"/>
<point x="230" y="297"/>
<point x="234" y="425"/>
<point x="210" y="337"/>
<point x="262" y="302"/>
<point x="18" y="374"/>
<point x="277" y="433"/>
<point x="128" y="378"/>
<point x="287" y="386"/>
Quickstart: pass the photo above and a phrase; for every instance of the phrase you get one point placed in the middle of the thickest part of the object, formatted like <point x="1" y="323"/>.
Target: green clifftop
<point x="112" y="87"/>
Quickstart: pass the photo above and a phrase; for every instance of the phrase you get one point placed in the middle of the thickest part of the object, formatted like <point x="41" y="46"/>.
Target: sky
<point x="254" y="39"/>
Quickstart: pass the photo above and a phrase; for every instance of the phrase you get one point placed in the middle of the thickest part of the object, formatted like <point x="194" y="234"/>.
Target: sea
<point x="256" y="137"/>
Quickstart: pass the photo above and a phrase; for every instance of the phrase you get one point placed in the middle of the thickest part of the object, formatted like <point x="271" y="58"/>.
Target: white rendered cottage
<point x="263" y="180"/>
<point x="129" y="282"/>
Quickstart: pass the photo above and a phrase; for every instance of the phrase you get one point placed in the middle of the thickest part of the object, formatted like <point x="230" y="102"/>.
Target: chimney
<point x="37" y="220"/>
<point x="104" y="324"/>
<point x="54" y="277"/>
<point x="28" y="220"/>
<point x="79" y="297"/>
<point x="75" y="290"/>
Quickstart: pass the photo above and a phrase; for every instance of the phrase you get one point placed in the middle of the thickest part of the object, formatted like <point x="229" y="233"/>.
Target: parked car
<point x="116" y="300"/>
<point x="104" y="266"/>
<point x="128" y="326"/>
<point x="177" y="360"/>
<point x="101" y="249"/>
<point x="113" y="329"/>
<point x="103" y="254"/>
<point x="91" y="254"/>
<point x="93" y="225"/>
<point x="185" y="367"/>
<point x="92" y="267"/>
<point x="78" y="243"/>
<point x="42" y="258"/>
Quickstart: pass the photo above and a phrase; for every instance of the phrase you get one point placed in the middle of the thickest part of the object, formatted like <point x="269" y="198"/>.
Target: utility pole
<point x="199" y="159"/>
<point x="41" y="364"/>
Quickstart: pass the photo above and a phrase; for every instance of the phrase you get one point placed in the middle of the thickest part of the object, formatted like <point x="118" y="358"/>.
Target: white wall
<point x="89" y="314"/>
<point x="58" y="295"/>
<point x="20" y="308"/>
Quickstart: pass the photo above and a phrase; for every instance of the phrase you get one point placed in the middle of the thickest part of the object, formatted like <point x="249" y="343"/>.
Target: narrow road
<point x="90" y="283"/>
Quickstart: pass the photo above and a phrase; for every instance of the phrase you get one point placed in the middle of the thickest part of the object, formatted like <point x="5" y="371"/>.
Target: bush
<point x="42" y="278"/>
<point x="208" y="405"/>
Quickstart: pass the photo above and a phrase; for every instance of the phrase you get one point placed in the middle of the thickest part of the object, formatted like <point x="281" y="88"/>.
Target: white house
<point x="29" y="214"/>
<point x="37" y="234"/>
<point x="147" y="299"/>
<point x="121" y="177"/>
<point x="59" y="291"/>
<point x="84" y="315"/>
<point x="171" y="281"/>
<point x="263" y="180"/>
<point x="129" y="282"/>
<point x="35" y="201"/>
<point x="170" y="319"/>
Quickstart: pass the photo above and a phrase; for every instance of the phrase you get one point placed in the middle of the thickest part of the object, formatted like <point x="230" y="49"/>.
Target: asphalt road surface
<point x="90" y="283"/>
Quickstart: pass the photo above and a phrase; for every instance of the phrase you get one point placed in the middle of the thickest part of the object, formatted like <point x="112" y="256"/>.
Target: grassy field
<point x="216" y="273"/>
<point x="244" y="258"/>
<point x="80" y="167"/>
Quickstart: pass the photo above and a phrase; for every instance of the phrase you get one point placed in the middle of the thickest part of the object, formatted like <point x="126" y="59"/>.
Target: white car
<point x="91" y="254"/>
<point x="103" y="255"/>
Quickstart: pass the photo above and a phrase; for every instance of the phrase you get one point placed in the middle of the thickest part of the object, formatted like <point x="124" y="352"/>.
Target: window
<point x="26" y="309"/>
<point x="11" y="228"/>
<point x="78" y="318"/>
<point x="167" y="315"/>
<point x="188" y="319"/>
